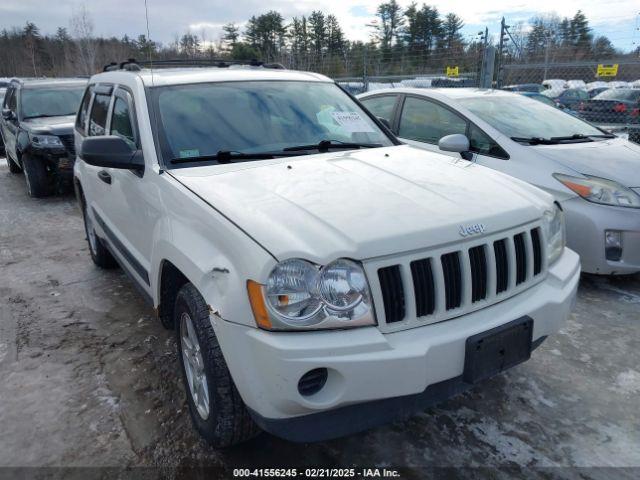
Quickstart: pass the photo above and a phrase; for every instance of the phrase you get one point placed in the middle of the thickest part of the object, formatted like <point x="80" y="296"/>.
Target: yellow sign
<point x="607" y="70"/>
<point x="453" y="71"/>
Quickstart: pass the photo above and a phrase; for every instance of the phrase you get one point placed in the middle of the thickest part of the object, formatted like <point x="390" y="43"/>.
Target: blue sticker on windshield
<point x="189" y="153"/>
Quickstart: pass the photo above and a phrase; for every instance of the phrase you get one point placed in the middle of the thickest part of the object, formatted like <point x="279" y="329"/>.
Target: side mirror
<point x="111" y="152"/>
<point x="385" y="122"/>
<point x="454" y="143"/>
<point x="7" y="114"/>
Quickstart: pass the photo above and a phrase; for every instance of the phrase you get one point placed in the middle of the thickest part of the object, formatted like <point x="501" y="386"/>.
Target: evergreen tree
<point x="564" y="32"/>
<point x="299" y="38"/>
<point x="451" y="27"/>
<point x="317" y="33"/>
<point x="389" y="30"/>
<point x="231" y="34"/>
<point x="266" y="33"/>
<point x="335" y="37"/>
<point x="189" y="45"/>
<point x="33" y="45"/>
<point x="581" y="32"/>
<point x="603" y="48"/>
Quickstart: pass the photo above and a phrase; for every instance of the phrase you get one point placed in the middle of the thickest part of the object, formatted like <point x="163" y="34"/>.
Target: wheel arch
<point x="170" y="280"/>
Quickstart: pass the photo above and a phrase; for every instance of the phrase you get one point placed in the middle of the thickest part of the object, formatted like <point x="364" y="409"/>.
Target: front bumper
<point x="375" y="377"/>
<point x="586" y="226"/>
<point x="59" y="162"/>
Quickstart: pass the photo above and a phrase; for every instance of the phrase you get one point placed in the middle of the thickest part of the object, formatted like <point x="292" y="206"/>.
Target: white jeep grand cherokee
<point x="321" y="278"/>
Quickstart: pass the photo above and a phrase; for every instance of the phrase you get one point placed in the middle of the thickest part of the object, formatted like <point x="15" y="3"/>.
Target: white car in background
<point x="594" y="175"/>
<point x="576" y="84"/>
<point x="555" y="84"/>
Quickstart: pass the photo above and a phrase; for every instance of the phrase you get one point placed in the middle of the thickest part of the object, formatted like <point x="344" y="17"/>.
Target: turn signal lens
<point x="256" y="298"/>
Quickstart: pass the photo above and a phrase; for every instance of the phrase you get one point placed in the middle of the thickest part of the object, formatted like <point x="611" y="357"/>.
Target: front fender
<point x="23" y="142"/>
<point x="219" y="269"/>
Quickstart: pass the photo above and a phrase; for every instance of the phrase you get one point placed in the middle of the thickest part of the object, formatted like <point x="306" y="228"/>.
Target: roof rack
<point x="133" y="66"/>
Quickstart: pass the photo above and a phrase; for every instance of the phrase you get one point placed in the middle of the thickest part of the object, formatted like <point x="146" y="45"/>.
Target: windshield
<point x="517" y="116"/>
<point x="50" y="102"/>
<point x="257" y="117"/>
<point x="620" y="94"/>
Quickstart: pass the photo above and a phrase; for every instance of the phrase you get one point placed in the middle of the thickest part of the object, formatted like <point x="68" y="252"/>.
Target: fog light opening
<point x="613" y="245"/>
<point x="312" y="382"/>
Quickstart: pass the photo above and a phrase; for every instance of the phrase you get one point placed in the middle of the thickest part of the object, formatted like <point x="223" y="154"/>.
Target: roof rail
<point x="132" y="65"/>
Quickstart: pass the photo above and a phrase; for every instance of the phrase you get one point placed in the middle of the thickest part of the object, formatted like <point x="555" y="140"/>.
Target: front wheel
<point x="217" y="411"/>
<point x="36" y="176"/>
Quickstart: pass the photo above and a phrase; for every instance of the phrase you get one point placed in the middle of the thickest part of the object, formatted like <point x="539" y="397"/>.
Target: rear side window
<point x="98" y="118"/>
<point x="381" y="107"/>
<point x="428" y="122"/>
<point x="81" y="120"/>
<point x="121" y="121"/>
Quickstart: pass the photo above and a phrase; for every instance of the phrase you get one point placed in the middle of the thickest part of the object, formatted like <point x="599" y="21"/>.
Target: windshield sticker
<point x="352" y="122"/>
<point x="189" y="153"/>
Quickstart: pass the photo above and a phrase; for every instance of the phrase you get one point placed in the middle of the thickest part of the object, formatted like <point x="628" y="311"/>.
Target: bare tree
<point x="82" y="28"/>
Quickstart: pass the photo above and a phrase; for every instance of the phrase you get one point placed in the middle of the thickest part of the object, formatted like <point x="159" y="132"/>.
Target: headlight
<point x="301" y="295"/>
<point x="554" y="233"/>
<point x="600" y="190"/>
<point x="46" y="141"/>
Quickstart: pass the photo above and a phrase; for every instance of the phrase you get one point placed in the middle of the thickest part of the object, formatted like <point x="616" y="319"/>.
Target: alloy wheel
<point x="194" y="366"/>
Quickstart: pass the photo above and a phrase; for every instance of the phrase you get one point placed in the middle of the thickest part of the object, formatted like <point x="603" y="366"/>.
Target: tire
<point x="36" y="176"/>
<point x="13" y="167"/>
<point x="100" y="255"/>
<point x="219" y="415"/>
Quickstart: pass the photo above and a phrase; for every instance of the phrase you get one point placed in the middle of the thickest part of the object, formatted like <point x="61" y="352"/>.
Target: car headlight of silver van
<point x="600" y="190"/>
<point x="554" y="233"/>
<point x="301" y="295"/>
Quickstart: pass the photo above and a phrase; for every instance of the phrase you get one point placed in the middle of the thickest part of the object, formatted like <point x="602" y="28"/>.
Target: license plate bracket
<point x="496" y="350"/>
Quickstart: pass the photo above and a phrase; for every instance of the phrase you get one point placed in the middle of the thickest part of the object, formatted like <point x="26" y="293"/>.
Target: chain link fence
<point x="606" y="94"/>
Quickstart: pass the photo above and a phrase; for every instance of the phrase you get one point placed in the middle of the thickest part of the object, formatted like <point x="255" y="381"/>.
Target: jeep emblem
<point x="475" y="229"/>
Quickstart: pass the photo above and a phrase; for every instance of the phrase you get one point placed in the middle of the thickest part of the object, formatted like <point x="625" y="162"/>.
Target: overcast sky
<point x="618" y="19"/>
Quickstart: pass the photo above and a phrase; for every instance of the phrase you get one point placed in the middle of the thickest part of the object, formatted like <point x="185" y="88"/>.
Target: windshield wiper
<point x="602" y="135"/>
<point x="535" y="140"/>
<point x="227" y="156"/>
<point x="575" y="138"/>
<point x="325" y="145"/>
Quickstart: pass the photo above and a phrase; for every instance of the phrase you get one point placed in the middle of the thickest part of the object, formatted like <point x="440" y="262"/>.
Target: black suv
<point x="37" y="129"/>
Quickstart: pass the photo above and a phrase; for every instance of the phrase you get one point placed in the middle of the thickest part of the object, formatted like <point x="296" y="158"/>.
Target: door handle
<point x="104" y="176"/>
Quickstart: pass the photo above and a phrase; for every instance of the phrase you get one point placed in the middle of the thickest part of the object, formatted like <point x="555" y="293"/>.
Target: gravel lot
<point x="89" y="378"/>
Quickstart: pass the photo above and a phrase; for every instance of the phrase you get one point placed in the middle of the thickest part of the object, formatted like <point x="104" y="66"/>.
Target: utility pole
<point x="481" y="54"/>
<point x="546" y="56"/>
<point x="503" y="28"/>
<point x="365" y="80"/>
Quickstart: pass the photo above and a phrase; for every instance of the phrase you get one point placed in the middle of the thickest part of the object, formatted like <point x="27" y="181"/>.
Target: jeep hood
<point x="362" y="203"/>
<point x="50" y="125"/>
<point x="615" y="159"/>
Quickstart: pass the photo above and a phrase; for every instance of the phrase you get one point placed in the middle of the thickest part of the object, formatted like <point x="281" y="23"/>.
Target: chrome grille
<point x="428" y="287"/>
